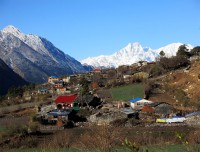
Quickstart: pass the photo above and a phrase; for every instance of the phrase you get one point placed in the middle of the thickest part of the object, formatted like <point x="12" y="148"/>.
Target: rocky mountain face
<point x="35" y="58"/>
<point x="132" y="53"/>
<point x="8" y="78"/>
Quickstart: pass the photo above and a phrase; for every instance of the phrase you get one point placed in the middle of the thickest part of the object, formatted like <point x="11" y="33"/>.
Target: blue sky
<point x="85" y="28"/>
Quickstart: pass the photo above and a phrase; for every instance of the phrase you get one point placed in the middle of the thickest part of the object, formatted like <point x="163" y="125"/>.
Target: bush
<point x="195" y="51"/>
<point x="149" y="86"/>
<point x="181" y="96"/>
<point x="157" y="70"/>
<point x="101" y="138"/>
<point x="174" y="62"/>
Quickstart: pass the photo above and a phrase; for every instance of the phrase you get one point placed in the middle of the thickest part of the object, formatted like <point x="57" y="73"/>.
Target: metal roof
<point x="135" y="100"/>
<point x="66" y="99"/>
<point x="127" y="111"/>
<point x="59" y="113"/>
<point x="53" y="77"/>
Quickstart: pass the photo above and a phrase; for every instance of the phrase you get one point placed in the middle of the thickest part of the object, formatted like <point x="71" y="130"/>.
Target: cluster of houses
<point x="61" y="108"/>
<point x="98" y="77"/>
<point x="59" y="84"/>
<point x="56" y="85"/>
<point x="58" y="112"/>
<point x="166" y="112"/>
<point x="64" y="107"/>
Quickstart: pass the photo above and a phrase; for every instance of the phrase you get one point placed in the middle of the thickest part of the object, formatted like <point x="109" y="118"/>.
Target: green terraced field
<point x="127" y="92"/>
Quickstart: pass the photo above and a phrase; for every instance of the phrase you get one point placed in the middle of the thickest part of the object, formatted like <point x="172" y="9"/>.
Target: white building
<point x="139" y="103"/>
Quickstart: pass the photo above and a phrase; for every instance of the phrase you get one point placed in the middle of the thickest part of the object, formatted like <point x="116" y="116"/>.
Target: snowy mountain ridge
<point x="132" y="53"/>
<point x="31" y="40"/>
<point x="35" y="58"/>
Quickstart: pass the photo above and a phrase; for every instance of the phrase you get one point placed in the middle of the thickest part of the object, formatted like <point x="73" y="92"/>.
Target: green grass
<point x="127" y="92"/>
<point x="165" y="148"/>
<point x="174" y="148"/>
<point x="2" y="129"/>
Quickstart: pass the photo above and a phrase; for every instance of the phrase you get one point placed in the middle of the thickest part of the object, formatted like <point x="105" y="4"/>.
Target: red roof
<point x="148" y="109"/>
<point x="65" y="99"/>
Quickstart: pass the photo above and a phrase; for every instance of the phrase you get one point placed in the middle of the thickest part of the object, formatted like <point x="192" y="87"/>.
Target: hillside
<point x="181" y="87"/>
<point x="188" y="81"/>
<point x="35" y="58"/>
<point x="8" y="78"/>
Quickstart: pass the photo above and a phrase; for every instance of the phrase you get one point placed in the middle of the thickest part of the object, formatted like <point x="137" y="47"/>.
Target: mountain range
<point x="132" y="53"/>
<point x="8" y="78"/>
<point x="33" y="57"/>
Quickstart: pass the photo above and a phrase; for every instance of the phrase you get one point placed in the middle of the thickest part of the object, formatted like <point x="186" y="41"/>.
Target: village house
<point x="51" y="79"/>
<point x="129" y="113"/>
<point x="139" y="103"/>
<point x="58" y="112"/>
<point x="162" y="108"/>
<point x="58" y="84"/>
<point x="97" y="70"/>
<point x="66" y="79"/>
<point x="42" y="90"/>
<point x="62" y="90"/>
<point x="67" y="101"/>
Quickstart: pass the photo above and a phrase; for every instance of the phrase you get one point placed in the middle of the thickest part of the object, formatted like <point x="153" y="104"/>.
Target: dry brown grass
<point x="102" y="138"/>
<point x="105" y="138"/>
<point x="99" y="138"/>
<point x="63" y="139"/>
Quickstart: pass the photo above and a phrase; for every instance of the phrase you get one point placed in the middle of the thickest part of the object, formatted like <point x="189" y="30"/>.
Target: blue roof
<point x="58" y="113"/>
<point x="135" y="100"/>
<point x="127" y="111"/>
<point x="53" y="77"/>
<point x="42" y="89"/>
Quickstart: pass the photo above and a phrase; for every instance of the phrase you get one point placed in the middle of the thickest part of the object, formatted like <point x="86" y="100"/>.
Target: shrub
<point x="101" y="138"/>
<point x="131" y="145"/>
<point x="156" y="70"/>
<point x="149" y="86"/>
<point x="174" y="62"/>
<point x="181" y="96"/>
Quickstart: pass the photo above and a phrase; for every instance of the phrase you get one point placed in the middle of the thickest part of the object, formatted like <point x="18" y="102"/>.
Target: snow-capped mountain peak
<point x="31" y="40"/>
<point x="33" y="57"/>
<point x="132" y="53"/>
<point x="13" y="30"/>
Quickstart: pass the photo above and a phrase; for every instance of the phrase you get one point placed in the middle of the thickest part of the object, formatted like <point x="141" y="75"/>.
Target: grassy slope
<point x="2" y="129"/>
<point x="127" y="92"/>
